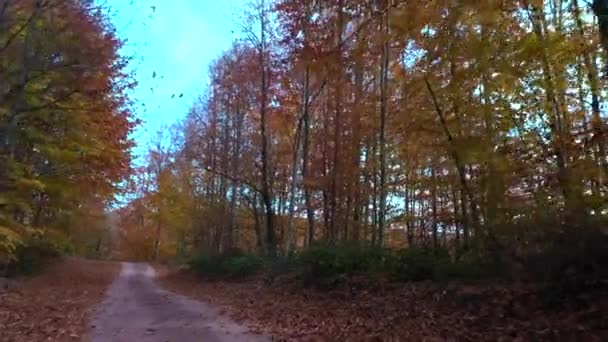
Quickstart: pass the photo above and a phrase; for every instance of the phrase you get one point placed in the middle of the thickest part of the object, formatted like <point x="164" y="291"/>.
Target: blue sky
<point x="173" y="43"/>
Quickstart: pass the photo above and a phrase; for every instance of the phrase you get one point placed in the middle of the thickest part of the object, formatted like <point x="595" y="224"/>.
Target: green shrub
<point x="31" y="256"/>
<point x="232" y="265"/>
<point x="418" y="263"/>
<point x="281" y="266"/>
<point x="467" y="270"/>
<point x="328" y="260"/>
<point x="241" y="266"/>
<point x="576" y="260"/>
<point x="201" y="263"/>
<point x="572" y="262"/>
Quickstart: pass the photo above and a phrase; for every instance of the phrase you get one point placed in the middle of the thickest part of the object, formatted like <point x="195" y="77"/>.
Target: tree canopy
<point x="443" y="123"/>
<point x="65" y="118"/>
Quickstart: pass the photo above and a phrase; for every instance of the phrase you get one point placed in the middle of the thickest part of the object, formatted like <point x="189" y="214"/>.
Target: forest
<point x="476" y="128"/>
<point x="393" y="139"/>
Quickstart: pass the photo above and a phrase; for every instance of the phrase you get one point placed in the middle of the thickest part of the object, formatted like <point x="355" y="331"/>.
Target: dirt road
<point x="137" y="309"/>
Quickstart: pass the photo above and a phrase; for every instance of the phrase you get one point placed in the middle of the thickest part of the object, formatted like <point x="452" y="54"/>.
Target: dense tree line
<point x="64" y="122"/>
<point x="432" y="123"/>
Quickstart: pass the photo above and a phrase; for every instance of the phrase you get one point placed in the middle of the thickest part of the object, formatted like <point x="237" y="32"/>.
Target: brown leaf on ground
<point x="55" y="305"/>
<point x="365" y="310"/>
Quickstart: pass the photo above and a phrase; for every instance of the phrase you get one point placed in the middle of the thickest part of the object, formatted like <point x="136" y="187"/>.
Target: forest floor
<point x="56" y="304"/>
<point x="362" y="309"/>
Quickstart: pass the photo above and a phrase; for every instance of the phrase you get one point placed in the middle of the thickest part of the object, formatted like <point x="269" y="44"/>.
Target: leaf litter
<point x="363" y="309"/>
<point x="56" y="304"/>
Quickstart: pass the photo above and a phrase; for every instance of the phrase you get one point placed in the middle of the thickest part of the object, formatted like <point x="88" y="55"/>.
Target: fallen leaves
<point x="366" y="310"/>
<point x="55" y="305"/>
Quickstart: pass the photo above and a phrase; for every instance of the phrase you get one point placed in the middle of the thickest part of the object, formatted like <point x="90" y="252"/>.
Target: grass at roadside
<point x="54" y="305"/>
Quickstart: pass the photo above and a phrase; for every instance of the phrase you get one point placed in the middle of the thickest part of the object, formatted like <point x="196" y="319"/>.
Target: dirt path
<point x="137" y="309"/>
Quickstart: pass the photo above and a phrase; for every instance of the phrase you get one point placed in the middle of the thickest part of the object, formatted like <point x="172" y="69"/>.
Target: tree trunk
<point x="291" y="231"/>
<point x="600" y="8"/>
<point x="267" y="196"/>
<point x="382" y="140"/>
<point x="434" y="206"/>
<point x="592" y="76"/>
<point x="559" y="135"/>
<point x="335" y="192"/>
<point x="462" y="175"/>
<point x="236" y="158"/>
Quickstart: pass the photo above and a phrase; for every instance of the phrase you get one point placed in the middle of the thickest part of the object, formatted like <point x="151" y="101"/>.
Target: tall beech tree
<point x="64" y="117"/>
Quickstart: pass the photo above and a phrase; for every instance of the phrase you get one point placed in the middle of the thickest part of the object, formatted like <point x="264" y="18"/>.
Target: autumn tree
<point x="447" y="124"/>
<point x="64" y="116"/>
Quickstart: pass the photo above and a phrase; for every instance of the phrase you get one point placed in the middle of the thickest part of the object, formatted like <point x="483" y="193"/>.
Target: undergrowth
<point x="326" y="263"/>
<point x="31" y="257"/>
<point x="232" y="265"/>
<point x="572" y="261"/>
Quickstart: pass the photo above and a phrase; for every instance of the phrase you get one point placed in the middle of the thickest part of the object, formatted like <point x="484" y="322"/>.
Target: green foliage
<point x="465" y="269"/>
<point x="280" y="266"/>
<point x="418" y="263"/>
<point x="31" y="256"/>
<point x="241" y="266"/>
<point x="324" y="262"/>
<point x="576" y="260"/>
<point x="573" y="264"/>
<point x="327" y="260"/>
<point x="202" y="263"/>
<point x="573" y="261"/>
<point x="9" y="243"/>
<point x="233" y="265"/>
<point x="58" y="163"/>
